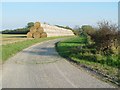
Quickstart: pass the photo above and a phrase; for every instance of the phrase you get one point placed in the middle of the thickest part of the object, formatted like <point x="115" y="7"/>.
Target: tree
<point x="77" y="30"/>
<point x="30" y="24"/>
<point x="88" y="29"/>
<point x="65" y="27"/>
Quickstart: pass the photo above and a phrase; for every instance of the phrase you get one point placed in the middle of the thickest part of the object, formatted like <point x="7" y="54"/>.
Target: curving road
<point x="40" y="66"/>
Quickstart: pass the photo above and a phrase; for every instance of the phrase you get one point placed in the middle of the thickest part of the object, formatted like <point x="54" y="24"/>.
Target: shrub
<point x="106" y="37"/>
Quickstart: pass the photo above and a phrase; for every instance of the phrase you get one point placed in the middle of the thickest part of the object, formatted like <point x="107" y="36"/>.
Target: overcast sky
<point x="18" y="14"/>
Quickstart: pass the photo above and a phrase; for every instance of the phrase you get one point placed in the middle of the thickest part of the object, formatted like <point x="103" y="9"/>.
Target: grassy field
<point x="76" y="49"/>
<point x="11" y="48"/>
<point x="11" y="38"/>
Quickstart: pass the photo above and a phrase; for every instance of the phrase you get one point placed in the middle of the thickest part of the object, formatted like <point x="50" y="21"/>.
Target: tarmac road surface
<point x="40" y="66"/>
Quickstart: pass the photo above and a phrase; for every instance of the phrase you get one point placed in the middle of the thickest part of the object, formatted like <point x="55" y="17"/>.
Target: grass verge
<point x="77" y="50"/>
<point x="9" y="50"/>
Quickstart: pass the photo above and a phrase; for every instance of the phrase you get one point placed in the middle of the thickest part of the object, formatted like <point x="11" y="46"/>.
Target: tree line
<point x="24" y="30"/>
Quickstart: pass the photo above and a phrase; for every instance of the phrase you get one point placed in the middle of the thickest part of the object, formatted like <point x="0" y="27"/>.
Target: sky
<point x="18" y="14"/>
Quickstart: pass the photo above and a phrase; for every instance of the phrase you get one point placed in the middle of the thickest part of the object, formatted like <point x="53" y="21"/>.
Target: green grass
<point x="13" y="35"/>
<point x="78" y="50"/>
<point x="10" y="49"/>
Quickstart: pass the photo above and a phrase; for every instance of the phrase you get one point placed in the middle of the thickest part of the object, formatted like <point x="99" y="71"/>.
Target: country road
<point x="40" y="66"/>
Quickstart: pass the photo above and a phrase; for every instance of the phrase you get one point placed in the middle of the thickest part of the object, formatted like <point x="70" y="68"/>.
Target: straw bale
<point x="40" y="30"/>
<point x="37" y="24"/>
<point x="29" y="35"/>
<point x="44" y="34"/>
<point x="36" y="35"/>
<point x="33" y="29"/>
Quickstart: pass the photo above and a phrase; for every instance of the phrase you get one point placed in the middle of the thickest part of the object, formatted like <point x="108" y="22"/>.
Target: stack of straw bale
<point x="36" y="31"/>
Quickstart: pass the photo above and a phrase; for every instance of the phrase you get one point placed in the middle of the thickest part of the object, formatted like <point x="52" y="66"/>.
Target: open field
<point x="11" y="38"/>
<point x="76" y="50"/>
<point x="15" y="43"/>
<point x="13" y="35"/>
